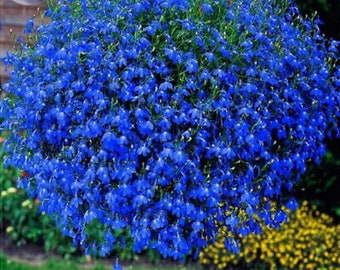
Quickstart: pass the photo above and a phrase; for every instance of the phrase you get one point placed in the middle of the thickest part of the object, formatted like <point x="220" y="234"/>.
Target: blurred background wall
<point x="13" y="17"/>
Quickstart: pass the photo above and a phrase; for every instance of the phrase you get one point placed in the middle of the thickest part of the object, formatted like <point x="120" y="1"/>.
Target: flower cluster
<point x="159" y="117"/>
<point x="309" y="240"/>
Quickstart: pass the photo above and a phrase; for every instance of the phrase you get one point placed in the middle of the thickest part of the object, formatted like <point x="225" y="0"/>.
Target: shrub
<point x="309" y="240"/>
<point x="159" y="117"/>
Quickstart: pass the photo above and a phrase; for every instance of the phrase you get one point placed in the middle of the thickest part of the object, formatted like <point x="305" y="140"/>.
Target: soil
<point x="28" y="253"/>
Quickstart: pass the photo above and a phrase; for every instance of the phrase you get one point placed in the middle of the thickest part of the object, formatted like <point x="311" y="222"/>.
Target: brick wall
<point x="13" y="17"/>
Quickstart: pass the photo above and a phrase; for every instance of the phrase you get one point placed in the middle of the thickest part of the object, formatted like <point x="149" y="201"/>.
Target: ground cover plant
<point x="166" y="119"/>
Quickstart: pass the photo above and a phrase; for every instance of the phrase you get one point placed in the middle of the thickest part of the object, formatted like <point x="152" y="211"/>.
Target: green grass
<point x="8" y="264"/>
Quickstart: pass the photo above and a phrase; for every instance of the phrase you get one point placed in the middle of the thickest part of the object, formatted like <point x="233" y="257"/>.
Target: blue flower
<point x="232" y="245"/>
<point x="117" y="266"/>
<point x="191" y="66"/>
<point x="109" y="141"/>
<point x="165" y="86"/>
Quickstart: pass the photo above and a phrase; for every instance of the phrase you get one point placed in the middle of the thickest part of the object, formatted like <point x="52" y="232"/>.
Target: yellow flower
<point x="27" y="203"/>
<point x="9" y="229"/>
<point x="11" y="190"/>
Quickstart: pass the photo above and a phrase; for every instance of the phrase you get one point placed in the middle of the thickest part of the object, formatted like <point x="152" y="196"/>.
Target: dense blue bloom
<point x="169" y="118"/>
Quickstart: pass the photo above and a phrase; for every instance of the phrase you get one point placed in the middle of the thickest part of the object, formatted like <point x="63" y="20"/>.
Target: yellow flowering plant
<point x="309" y="240"/>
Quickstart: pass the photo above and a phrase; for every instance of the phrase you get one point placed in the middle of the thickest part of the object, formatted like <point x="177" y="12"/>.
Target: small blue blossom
<point x="117" y="266"/>
<point x="191" y="66"/>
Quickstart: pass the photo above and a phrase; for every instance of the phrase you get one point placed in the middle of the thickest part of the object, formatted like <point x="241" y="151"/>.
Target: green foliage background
<point x="328" y="11"/>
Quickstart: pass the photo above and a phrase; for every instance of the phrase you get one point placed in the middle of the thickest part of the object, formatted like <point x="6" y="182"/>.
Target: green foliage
<point x="7" y="175"/>
<point x="328" y="10"/>
<point x="308" y="5"/>
<point x="321" y="185"/>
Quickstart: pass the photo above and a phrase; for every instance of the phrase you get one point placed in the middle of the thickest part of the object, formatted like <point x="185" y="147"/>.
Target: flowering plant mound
<point x="159" y="117"/>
